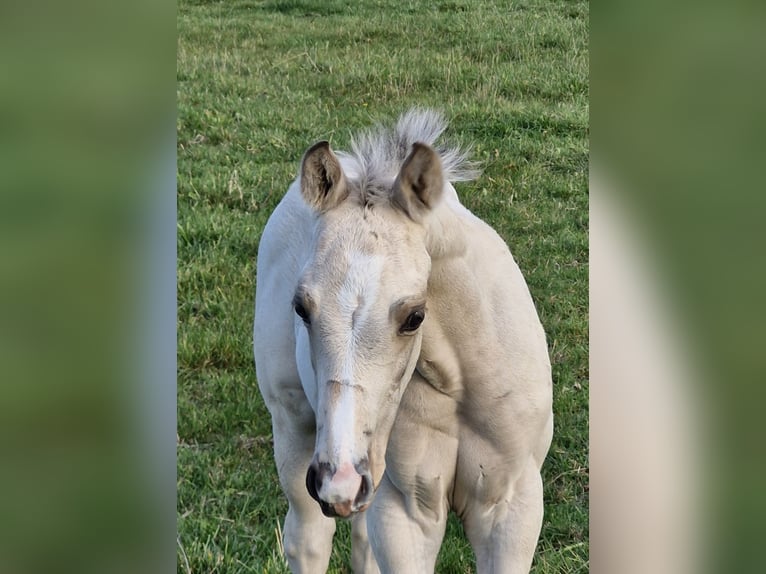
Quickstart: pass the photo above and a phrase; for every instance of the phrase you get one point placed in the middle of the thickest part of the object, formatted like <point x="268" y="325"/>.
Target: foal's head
<point x="362" y="299"/>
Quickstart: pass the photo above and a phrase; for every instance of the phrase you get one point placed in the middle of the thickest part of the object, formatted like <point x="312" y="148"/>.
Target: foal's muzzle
<point x="335" y="488"/>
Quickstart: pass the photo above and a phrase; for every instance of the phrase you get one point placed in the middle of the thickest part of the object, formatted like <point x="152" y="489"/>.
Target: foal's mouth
<point x="341" y="509"/>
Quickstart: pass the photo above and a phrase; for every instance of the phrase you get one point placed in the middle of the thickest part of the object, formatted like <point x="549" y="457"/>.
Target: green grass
<point x="260" y="81"/>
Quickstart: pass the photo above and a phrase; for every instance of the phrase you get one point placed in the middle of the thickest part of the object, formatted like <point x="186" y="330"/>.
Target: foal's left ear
<point x="323" y="184"/>
<point x="420" y="182"/>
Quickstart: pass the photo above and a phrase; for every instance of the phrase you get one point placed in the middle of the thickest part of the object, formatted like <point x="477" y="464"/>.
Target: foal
<point x="400" y="355"/>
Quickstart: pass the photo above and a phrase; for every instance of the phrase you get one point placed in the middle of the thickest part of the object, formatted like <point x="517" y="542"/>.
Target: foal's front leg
<point x="362" y="559"/>
<point x="307" y="533"/>
<point x="404" y="539"/>
<point x="504" y="532"/>
<point x="408" y="516"/>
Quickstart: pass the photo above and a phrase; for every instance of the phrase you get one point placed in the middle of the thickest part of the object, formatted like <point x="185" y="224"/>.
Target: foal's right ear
<point x="323" y="184"/>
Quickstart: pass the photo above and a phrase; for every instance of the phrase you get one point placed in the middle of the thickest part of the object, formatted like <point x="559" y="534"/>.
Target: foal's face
<point x="362" y="299"/>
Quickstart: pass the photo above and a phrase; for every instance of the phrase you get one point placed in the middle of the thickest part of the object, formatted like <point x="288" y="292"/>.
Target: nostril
<point x="311" y="482"/>
<point x="365" y="490"/>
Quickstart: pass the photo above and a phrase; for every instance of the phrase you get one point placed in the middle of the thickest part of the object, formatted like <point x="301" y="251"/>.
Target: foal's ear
<point x="420" y="182"/>
<point x="323" y="184"/>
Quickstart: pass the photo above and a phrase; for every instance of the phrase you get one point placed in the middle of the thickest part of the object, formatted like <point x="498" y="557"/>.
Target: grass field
<point x="260" y="81"/>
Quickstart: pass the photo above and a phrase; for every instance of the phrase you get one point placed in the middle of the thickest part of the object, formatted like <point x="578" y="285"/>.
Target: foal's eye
<point x="413" y="321"/>
<point x="300" y="310"/>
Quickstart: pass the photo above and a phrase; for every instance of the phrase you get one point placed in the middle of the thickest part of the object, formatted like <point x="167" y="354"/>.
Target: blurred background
<point x="677" y="277"/>
<point x="87" y="287"/>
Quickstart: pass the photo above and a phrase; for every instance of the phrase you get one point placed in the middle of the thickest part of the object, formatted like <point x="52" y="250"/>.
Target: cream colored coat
<point x="402" y="360"/>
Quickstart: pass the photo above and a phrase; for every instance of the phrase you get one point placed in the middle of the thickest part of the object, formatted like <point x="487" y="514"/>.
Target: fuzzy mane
<point x="377" y="155"/>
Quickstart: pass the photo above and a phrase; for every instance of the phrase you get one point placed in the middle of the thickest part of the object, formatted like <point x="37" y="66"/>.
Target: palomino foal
<point x="402" y="360"/>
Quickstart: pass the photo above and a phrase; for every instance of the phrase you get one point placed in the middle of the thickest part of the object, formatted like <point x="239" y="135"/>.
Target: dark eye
<point x="300" y="310"/>
<point x="413" y="321"/>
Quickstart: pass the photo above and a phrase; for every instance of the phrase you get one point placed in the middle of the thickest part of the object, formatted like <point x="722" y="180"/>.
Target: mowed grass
<point x="260" y="81"/>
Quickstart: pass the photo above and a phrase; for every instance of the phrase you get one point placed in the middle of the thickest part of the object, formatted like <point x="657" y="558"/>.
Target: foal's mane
<point x="377" y="155"/>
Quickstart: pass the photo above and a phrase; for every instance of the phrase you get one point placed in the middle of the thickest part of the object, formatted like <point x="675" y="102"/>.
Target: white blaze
<point x="356" y="297"/>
